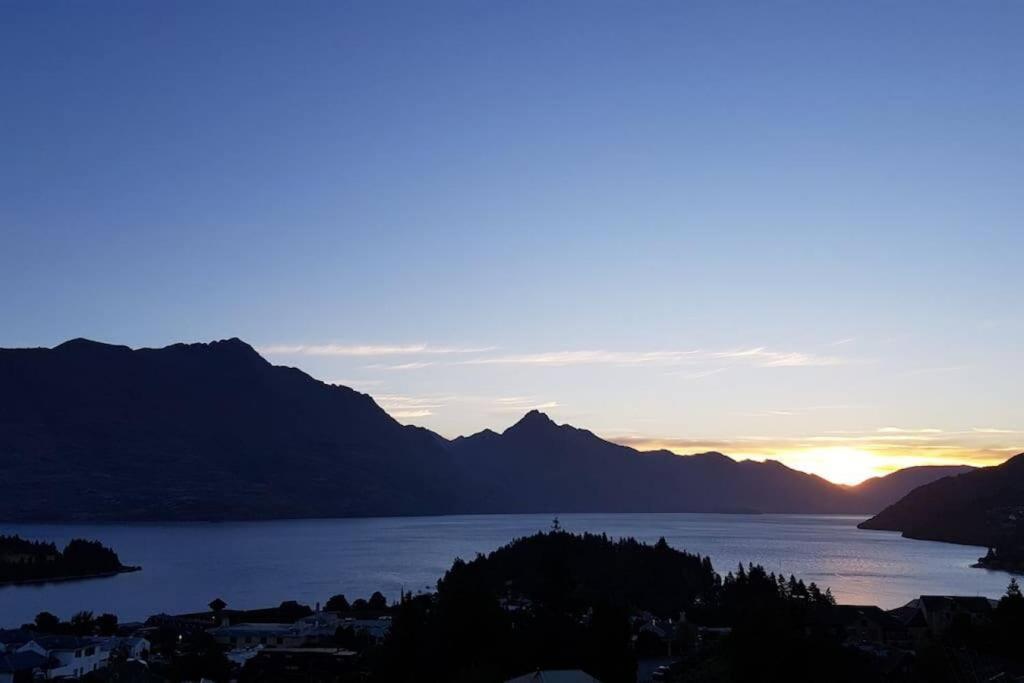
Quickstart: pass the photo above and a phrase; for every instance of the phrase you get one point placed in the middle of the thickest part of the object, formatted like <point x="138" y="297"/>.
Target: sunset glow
<point x="841" y="464"/>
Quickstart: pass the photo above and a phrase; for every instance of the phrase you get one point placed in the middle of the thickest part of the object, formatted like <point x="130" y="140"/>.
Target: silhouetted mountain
<point x="878" y="492"/>
<point x="198" y="431"/>
<point x="213" y="431"/>
<point x="976" y="508"/>
<point x="539" y="466"/>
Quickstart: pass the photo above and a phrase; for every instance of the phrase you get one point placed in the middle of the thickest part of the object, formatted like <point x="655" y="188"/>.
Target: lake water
<point x="258" y="564"/>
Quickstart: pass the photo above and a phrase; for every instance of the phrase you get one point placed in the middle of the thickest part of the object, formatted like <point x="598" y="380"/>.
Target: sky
<point x="787" y="230"/>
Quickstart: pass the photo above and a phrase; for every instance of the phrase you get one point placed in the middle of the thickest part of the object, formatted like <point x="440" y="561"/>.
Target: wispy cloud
<point x="355" y="382"/>
<point x="522" y="405"/>
<point x="586" y="357"/>
<point x="415" y="365"/>
<point x="699" y="374"/>
<point x="993" y="430"/>
<point x="406" y="407"/>
<point x="758" y="356"/>
<point x="903" y="430"/>
<point x="369" y="349"/>
<point x="403" y="406"/>
<point x="769" y="359"/>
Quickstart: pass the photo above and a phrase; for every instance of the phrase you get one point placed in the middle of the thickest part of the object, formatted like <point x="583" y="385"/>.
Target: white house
<point x="72" y="657"/>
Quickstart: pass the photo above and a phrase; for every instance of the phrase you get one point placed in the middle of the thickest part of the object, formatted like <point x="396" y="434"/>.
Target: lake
<point x="258" y="564"/>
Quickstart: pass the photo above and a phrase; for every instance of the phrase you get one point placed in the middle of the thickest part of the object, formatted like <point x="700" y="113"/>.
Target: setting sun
<point x="838" y="464"/>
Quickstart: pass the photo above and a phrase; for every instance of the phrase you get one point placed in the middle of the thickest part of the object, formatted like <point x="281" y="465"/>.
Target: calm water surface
<point x="256" y="564"/>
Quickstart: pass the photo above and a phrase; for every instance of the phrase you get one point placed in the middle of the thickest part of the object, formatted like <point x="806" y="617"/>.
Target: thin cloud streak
<point x="368" y="349"/>
<point x="416" y="365"/>
<point x="755" y="356"/>
<point x="759" y="357"/>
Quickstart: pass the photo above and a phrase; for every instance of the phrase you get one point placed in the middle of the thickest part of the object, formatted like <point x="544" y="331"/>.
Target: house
<point x="72" y="657"/>
<point x="375" y="629"/>
<point x="301" y="664"/>
<point x="20" y="667"/>
<point x="555" y="676"/>
<point x="940" y="612"/>
<point x="133" y="647"/>
<point x="860" y="625"/>
<point x="319" y="627"/>
<point x="12" y="639"/>
<point x="912" y="619"/>
<point x="268" y="635"/>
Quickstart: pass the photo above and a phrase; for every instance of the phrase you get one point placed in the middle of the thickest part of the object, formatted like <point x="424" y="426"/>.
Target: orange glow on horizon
<point x="841" y="464"/>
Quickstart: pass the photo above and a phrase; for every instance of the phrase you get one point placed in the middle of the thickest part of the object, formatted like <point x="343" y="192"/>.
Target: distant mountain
<point x="976" y="508"/>
<point x="539" y="466"/>
<point x="91" y="431"/>
<point x="878" y="492"/>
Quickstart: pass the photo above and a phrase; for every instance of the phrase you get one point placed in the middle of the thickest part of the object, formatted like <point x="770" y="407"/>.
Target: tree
<point x="106" y="624"/>
<point x="82" y="623"/>
<point x="1013" y="590"/>
<point x="47" y="623"/>
<point x="377" y="602"/>
<point x="337" y="603"/>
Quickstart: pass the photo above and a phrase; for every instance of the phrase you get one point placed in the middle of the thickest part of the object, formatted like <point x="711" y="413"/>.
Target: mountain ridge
<point x="96" y="431"/>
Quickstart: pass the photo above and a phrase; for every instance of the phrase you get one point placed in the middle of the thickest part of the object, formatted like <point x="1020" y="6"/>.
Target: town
<point x="554" y="606"/>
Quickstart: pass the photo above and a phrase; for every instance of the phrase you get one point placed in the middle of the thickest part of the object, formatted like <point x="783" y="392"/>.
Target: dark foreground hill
<point x="92" y="431"/>
<point x="981" y="507"/>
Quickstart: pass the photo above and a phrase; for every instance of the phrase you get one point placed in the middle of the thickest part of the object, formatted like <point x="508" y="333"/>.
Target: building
<point x="860" y="625"/>
<point x="267" y="635"/>
<point x="12" y="639"/>
<point x="555" y="676"/>
<point x="133" y="647"/>
<point x="933" y="615"/>
<point x="70" y="656"/>
<point x="375" y="629"/>
<point x="300" y="664"/>
<point x="20" y="667"/>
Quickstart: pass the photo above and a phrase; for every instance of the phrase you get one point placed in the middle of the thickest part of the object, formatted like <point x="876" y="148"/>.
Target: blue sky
<point x="778" y="229"/>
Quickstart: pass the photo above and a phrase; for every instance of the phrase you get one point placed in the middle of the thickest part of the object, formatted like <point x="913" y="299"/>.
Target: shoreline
<point x="248" y="520"/>
<point x="77" y="577"/>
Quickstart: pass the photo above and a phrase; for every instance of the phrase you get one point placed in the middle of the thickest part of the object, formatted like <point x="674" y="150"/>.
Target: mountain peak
<point x="712" y="456"/>
<point x="233" y="348"/>
<point x="233" y="344"/>
<point x="535" y="420"/>
<point x="83" y="344"/>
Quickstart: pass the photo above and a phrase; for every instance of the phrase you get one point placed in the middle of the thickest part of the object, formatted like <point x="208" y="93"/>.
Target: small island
<point x="26" y="561"/>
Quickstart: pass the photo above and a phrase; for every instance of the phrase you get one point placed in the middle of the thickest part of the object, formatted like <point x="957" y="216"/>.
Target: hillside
<point x="878" y="492"/>
<point x="91" y="431"/>
<point x="976" y="508"/>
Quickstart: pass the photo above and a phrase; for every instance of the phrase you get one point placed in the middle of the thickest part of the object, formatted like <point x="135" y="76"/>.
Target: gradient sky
<point x="787" y="230"/>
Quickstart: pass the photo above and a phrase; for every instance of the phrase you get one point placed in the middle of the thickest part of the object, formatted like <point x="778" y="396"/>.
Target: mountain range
<point x="92" y="431"/>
